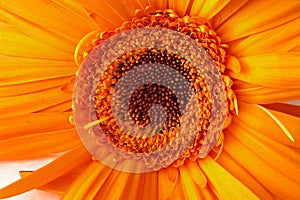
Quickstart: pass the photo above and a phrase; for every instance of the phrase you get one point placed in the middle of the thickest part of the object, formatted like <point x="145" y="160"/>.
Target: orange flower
<point x="258" y="56"/>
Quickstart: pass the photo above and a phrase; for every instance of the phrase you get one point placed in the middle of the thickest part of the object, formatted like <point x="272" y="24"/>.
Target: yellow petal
<point x="47" y="173"/>
<point x="265" y="95"/>
<point x="207" y="9"/>
<point x="227" y="186"/>
<point x="257" y="16"/>
<point x="279" y="39"/>
<point x="242" y="175"/>
<point x="286" y="166"/>
<point x="36" y="145"/>
<point x="272" y="70"/>
<point x="82" y="184"/>
<point x="33" y="123"/>
<point x="257" y="119"/>
<point x="277" y="183"/>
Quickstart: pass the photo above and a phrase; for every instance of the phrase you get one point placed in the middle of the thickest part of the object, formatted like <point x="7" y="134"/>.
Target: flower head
<point x="236" y="61"/>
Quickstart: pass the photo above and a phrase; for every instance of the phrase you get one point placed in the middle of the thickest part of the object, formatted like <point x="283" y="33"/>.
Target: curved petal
<point x="46" y="174"/>
<point x="257" y="119"/>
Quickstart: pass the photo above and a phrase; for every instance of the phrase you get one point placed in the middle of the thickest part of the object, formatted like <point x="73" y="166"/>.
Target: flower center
<point x="154" y="127"/>
<point x="148" y="95"/>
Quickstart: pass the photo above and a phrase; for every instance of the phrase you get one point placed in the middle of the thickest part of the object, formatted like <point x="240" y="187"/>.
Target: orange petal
<point x="229" y="189"/>
<point x="81" y="186"/>
<point x="33" y="123"/>
<point x="233" y="64"/>
<point x="59" y="185"/>
<point x="110" y="185"/>
<point x="37" y="32"/>
<point x="57" y="18"/>
<point x="31" y="87"/>
<point x="32" y="102"/>
<point x="178" y="193"/>
<point x="272" y="70"/>
<point x="151" y="186"/>
<point x="167" y="180"/>
<point x="230" y="9"/>
<point x="277" y="183"/>
<point x="37" y="145"/>
<point x="265" y="95"/>
<point x="242" y="175"/>
<point x="134" y="187"/>
<point x="15" y="43"/>
<point x="284" y="164"/>
<point x="279" y="39"/>
<point x="46" y="174"/>
<point x="65" y="106"/>
<point x="98" y="183"/>
<point x="190" y="189"/>
<point x="285" y="108"/>
<point x="207" y="9"/>
<point x="179" y="6"/>
<point x="196" y="174"/>
<point x="257" y="16"/>
<point x="159" y="5"/>
<point x="260" y="121"/>
<point x="110" y="14"/>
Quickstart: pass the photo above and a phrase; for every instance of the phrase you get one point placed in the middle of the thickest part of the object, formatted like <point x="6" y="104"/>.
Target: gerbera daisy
<point x="254" y="46"/>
